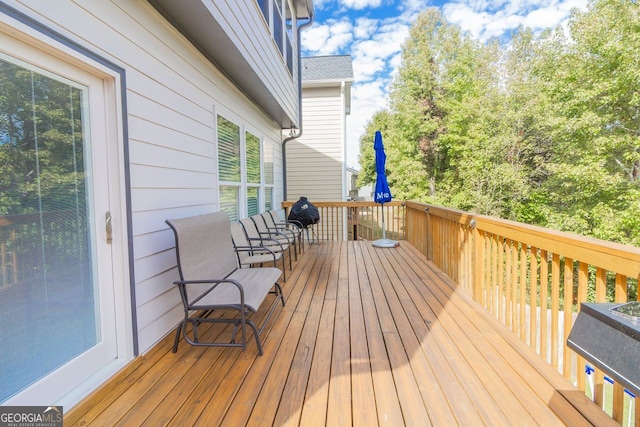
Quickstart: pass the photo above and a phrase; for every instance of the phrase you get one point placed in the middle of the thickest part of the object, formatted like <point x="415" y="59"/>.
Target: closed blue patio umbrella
<point x="382" y="193"/>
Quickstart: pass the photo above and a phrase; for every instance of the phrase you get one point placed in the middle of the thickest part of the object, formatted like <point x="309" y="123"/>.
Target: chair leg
<point x="177" y="339"/>
<point x="295" y="248"/>
<point x="284" y="269"/>
<point x="256" y="335"/>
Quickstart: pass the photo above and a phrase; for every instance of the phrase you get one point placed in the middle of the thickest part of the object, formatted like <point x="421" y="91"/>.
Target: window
<point x="228" y="150"/>
<point x="253" y="158"/>
<point x="268" y="155"/>
<point x="290" y="24"/>
<point x="253" y="201"/>
<point x="229" y="201"/>
<point x="281" y="23"/>
<point x="264" y="7"/>
<point x="229" y="166"/>
<point x="245" y="170"/>
<point x="253" y="173"/>
<point x="278" y="35"/>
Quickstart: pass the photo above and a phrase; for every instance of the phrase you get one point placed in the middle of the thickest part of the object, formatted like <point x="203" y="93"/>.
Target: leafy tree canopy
<point x="544" y="131"/>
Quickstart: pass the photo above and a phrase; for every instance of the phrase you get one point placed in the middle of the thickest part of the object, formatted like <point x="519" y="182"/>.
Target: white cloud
<point x="373" y="55"/>
<point x="320" y="4"/>
<point x="361" y="4"/>
<point x="487" y="19"/>
<point x="365" y="28"/>
<point x="366" y="100"/>
<point x="327" y="39"/>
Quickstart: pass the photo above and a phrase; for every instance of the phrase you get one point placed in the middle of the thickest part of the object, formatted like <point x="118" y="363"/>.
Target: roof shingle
<point x="334" y="67"/>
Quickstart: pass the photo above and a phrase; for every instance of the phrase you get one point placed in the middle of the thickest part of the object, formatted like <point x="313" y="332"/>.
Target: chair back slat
<point x="240" y="239"/>
<point x="250" y="228"/>
<point x="204" y="247"/>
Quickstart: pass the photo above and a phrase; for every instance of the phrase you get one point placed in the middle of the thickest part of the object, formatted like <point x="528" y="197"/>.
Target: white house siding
<point x="173" y="94"/>
<point x="250" y="34"/>
<point x="315" y="161"/>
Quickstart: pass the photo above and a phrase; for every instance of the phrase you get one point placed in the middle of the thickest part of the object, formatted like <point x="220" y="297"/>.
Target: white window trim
<point x="243" y="185"/>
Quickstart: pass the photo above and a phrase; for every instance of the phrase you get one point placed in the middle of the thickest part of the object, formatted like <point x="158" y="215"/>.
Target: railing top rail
<point x="623" y="259"/>
<point x="351" y="204"/>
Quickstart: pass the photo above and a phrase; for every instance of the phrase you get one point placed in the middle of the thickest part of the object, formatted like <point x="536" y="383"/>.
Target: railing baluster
<point x="533" y="297"/>
<point x="555" y="307"/>
<point x="544" y="304"/>
<point x="583" y="284"/>
<point x="495" y="283"/>
<point x="514" y="286"/>
<point x="523" y="292"/>
<point x="567" y="312"/>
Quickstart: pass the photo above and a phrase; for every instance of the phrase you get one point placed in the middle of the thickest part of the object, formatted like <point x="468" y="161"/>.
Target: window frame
<point x="245" y="186"/>
<point x="281" y="21"/>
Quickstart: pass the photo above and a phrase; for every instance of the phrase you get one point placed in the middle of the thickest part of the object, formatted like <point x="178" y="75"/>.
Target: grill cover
<point x="304" y="213"/>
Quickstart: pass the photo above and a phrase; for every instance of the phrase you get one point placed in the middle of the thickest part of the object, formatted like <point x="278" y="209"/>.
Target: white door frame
<point x="22" y="40"/>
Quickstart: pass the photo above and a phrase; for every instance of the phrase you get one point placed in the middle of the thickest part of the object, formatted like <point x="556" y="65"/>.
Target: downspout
<point x="295" y="134"/>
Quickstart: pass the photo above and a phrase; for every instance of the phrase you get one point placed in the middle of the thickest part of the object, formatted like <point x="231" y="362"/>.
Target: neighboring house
<point x="116" y="115"/>
<point x="356" y="193"/>
<point x="352" y="184"/>
<point x="316" y="162"/>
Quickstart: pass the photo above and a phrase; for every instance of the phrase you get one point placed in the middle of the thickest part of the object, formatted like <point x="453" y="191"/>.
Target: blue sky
<point x="372" y="32"/>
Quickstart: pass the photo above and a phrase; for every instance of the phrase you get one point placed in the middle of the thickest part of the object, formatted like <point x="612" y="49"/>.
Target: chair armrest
<point x="182" y="284"/>
<point x="257" y="249"/>
<point x="283" y="231"/>
<point x="262" y="240"/>
<point x="296" y="223"/>
<point x="278" y="233"/>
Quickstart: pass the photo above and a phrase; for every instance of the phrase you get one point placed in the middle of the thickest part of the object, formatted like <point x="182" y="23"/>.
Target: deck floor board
<point x="368" y="336"/>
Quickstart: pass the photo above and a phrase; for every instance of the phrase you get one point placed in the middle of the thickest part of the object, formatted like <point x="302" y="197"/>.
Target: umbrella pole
<point x="384" y="229"/>
<point x="384" y="242"/>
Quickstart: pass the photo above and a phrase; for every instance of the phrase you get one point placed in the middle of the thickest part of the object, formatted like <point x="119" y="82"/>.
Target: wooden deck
<point x="368" y="337"/>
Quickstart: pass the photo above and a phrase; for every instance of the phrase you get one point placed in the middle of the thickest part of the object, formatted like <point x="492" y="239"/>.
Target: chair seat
<point x="226" y="294"/>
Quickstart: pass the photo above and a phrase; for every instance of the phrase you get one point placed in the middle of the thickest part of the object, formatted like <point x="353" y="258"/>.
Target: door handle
<point x="108" y="227"/>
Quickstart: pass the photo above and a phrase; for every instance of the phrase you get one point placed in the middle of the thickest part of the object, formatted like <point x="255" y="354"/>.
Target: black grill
<point x="610" y="341"/>
<point x="304" y="213"/>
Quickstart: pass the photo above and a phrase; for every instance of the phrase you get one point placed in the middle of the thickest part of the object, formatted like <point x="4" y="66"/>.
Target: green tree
<point x="544" y="131"/>
<point x="379" y="122"/>
<point x="593" y="81"/>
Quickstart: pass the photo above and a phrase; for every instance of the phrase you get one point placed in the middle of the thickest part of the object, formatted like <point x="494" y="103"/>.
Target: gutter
<point x="295" y="134"/>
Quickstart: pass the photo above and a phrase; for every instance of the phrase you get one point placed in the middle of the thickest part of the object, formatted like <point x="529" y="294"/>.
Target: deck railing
<point x="523" y="275"/>
<point x="356" y="220"/>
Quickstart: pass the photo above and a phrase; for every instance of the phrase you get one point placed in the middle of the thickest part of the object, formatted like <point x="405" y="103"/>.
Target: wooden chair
<point x="254" y="254"/>
<point x="273" y="222"/>
<point x="211" y="280"/>
<point x="275" y="234"/>
<point x="257" y="238"/>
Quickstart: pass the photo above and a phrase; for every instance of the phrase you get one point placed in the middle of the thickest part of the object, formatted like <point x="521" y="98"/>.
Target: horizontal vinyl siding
<point x="247" y="27"/>
<point x="173" y="93"/>
<point x="315" y="161"/>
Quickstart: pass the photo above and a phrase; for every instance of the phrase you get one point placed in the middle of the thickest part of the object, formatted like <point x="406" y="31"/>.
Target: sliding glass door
<point x="57" y="325"/>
